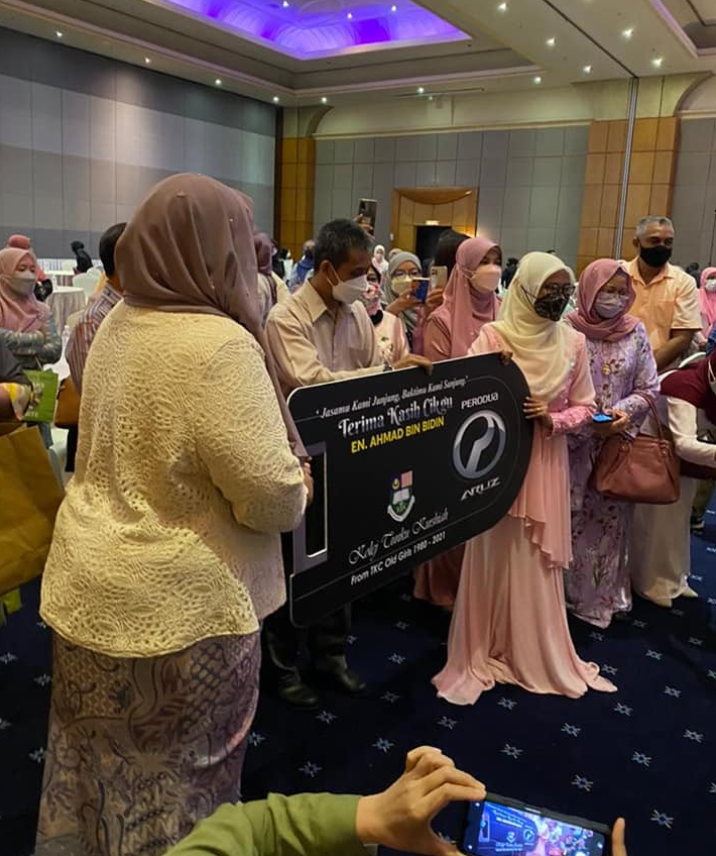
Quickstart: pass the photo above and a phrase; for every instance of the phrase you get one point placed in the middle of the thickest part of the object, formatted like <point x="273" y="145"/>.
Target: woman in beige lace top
<point x="166" y="553"/>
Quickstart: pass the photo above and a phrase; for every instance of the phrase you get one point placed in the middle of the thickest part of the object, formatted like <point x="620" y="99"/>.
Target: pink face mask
<point x="486" y="278"/>
<point x="371" y="298"/>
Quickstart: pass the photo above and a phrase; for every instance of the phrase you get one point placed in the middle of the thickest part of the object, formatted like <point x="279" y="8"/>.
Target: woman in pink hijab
<point x="707" y="299"/>
<point x="22" y="242"/>
<point x="470" y="301"/>
<point x="624" y="375"/>
<point x="26" y="325"/>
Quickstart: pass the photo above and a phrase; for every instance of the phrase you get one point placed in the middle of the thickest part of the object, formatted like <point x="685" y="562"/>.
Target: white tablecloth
<point x="65" y="301"/>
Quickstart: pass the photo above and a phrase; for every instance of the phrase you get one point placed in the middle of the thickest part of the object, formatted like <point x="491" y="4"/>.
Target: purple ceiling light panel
<point x="308" y="29"/>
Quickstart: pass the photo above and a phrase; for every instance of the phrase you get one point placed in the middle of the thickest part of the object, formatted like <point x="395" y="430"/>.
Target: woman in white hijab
<point x="380" y="263"/>
<point x="510" y="621"/>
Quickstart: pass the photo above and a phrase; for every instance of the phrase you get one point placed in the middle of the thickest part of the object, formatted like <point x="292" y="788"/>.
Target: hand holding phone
<point x="400" y="817"/>
<point x="602" y="418"/>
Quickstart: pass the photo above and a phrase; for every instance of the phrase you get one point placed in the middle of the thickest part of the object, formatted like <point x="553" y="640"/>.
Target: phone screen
<point x="493" y="828"/>
<point x="368" y="210"/>
<point x="602" y="417"/>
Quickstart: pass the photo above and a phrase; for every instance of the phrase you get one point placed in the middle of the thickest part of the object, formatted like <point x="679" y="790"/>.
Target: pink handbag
<point x="644" y="469"/>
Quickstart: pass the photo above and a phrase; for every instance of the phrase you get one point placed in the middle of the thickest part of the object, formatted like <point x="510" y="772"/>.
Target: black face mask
<point x="655" y="257"/>
<point x="551" y="306"/>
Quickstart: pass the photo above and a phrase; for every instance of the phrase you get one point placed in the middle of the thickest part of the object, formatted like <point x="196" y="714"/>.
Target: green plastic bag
<point x="45" y="385"/>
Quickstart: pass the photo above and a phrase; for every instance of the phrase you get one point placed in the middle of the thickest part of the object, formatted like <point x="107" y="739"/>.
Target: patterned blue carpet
<point x="647" y="752"/>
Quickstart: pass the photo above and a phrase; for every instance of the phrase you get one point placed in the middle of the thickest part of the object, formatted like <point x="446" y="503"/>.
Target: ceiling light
<point x="587" y="69"/>
<point x="537" y="79"/>
<point x="551" y="42"/>
<point x="502" y="7"/>
<point x="393" y="8"/>
<point x="628" y="33"/>
<point x="431" y="98"/>
<point x="285" y="4"/>
<point x="350" y="16"/>
<point x="59" y="34"/>
<point x="324" y="100"/>
<point x="276" y="99"/>
<point x="147" y="61"/>
<point x="217" y="82"/>
<point x="421" y="90"/>
<point x="657" y="61"/>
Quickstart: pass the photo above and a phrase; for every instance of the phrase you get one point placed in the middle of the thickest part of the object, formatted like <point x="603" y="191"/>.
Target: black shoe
<point x="298" y="694"/>
<point x="341" y="679"/>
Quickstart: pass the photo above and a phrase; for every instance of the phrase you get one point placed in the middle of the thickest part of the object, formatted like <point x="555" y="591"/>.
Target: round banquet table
<point x="64" y="301"/>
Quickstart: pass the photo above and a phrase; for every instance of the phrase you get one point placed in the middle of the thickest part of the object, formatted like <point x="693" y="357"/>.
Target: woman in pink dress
<point x="510" y="622"/>
<point x="625" y="378"/>
<point x="470" y="301"/>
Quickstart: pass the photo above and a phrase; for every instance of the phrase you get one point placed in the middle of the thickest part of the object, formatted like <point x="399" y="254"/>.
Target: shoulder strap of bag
<point x="655" y="413"/>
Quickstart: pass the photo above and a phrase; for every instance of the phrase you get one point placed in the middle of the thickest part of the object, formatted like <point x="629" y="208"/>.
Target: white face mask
<point x="609" y="305"/>
<point x="486" y="278"/>
<point x="23" y="283"/>
<point x="349" y="290"/>
<point x="710" y="285"/>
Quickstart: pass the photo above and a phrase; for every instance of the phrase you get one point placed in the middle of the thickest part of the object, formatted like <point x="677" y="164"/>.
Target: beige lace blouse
<point x="169" y="532"/>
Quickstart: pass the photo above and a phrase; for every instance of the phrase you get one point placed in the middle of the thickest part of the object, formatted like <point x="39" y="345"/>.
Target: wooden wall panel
<point x="296" y="192"/>
<point x="414" y="206"/>
<point x="649" y="191"/>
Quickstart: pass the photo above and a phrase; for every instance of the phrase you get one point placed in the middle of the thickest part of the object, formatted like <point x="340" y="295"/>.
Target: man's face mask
<point x="349" y="290"/>
<point x="655" y="257"/>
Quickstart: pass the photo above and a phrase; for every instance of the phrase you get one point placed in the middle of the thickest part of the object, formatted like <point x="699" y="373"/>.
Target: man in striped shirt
<point x="86" y="328"/>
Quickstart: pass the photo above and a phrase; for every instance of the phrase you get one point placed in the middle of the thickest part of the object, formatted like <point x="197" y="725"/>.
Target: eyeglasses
<point x="551" y="290"/>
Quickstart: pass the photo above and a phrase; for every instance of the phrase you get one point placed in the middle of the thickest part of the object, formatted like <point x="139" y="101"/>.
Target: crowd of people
<point x="164" y="581"/>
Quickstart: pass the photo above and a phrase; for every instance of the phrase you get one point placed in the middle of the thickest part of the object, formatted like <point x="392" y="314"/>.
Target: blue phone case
<point x="421" y="292"/>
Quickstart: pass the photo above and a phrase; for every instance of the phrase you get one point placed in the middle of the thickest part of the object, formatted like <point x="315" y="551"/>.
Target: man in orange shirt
<point x="666" y="297"/>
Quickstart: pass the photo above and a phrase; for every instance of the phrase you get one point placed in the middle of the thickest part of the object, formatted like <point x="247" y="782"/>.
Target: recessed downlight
<point x="587" y="69"/>
<point x="217" y="82"/>
<point x="276" y="99"/>
<point x="421" y="90"/>
<point x="628" y="33"/>
<point x="324" y="100"/>
<point x="657" y="61"/>
<point x="551" y="42"/>
<point x="537" y="79"/>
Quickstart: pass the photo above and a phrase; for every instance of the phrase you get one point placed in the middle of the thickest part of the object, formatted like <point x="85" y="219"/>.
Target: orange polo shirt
<point x="669" y="302"/>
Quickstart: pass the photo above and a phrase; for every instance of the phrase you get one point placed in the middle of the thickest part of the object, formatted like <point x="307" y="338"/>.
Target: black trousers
<point x="282" y="643"/>
<point x="326" y="639"/>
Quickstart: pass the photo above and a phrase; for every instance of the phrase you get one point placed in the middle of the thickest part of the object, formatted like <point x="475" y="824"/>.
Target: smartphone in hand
<point x="367" y="213"/>
<point x="602" y="418"/>
<point x="498" y="825"/>
<point x="421" y="287"/>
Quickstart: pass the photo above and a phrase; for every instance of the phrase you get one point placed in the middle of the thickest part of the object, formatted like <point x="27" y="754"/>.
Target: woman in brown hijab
<point x="166" y="553"/>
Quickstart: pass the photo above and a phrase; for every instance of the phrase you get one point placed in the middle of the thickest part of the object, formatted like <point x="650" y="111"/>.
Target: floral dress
<point x="597" y="584"/>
